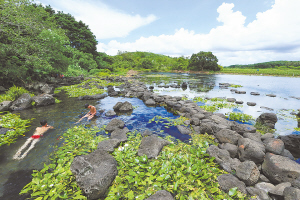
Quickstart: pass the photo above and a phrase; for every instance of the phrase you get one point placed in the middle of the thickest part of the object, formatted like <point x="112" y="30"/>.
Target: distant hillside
<point x="271" y="64"/>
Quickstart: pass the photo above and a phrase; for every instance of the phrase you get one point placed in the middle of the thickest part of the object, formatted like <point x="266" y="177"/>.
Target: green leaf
<point x="232" y="191"/>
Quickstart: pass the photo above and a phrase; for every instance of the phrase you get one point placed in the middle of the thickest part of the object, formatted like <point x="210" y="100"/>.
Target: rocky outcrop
<point x="161" y="195"/>
<point x="267" y="119"/>
<point x="228" y="181"/>
<point x="151" y="146"/>
<point x="43" y="100"/>
<point x="123" y="107"/>
<point x="280" y="169"/>
<point x="94" y="173"/>
<point x="114" y="125"/>
<point x="92" y="97"/>
<point x="4" y="105"/>
<point x="23" y="102"/>
<point x="292" y="143"/>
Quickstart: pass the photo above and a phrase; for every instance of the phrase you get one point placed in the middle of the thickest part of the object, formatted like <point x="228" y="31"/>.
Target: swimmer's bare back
<point x="41" y="130"/>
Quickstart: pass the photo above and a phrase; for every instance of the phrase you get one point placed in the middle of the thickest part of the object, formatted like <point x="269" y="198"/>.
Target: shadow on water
<point x="15" y="183"/>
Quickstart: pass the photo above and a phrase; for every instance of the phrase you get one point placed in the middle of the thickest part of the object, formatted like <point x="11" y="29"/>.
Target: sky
<point x="236" y="31"/>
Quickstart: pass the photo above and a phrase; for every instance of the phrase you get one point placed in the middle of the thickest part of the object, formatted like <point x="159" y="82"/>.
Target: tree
<point x="203" y="61"/>
<point x="31" y="45"/>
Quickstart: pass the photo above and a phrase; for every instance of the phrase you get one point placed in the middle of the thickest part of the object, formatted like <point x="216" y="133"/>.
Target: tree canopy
<point x="203" y="61"/>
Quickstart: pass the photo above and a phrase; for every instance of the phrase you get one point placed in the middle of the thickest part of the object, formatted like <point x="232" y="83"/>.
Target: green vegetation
<point x="215" y="104"/>
<point x="14" y="122"/>
<point x="203" y="61"/>
<point x="263" y="129"/>
<point x="235" y="86"/>
<point x="272" y="64"/>
<point x="13" y="93"/>
<point x="241" y="117"/>
<point x="55" y="180"/>
<point x="280" y="71"/>
<point x="87" y="87"/>
<point x="182" y="169"/>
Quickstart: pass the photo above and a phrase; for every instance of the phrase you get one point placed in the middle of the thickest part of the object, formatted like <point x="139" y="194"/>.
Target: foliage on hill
<point x="272" y="64"/>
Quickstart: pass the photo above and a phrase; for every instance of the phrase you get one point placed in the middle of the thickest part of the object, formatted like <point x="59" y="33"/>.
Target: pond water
<point x="15" y="174"/>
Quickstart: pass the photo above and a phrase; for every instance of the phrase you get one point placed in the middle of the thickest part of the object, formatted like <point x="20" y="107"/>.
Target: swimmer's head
<point x="43" y="122"/>
<point x="86" y="105"/>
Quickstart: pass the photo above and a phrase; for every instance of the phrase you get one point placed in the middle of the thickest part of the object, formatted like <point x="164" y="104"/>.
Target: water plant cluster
<point x="87" y="87"/>
<point x="55" y="180"/>
<point x="215" y="104"/>
<point x="237" y="116"/>
<point x="14" y="122"/>
<point x="13" y="93"/>
<point x="184" y="169"/>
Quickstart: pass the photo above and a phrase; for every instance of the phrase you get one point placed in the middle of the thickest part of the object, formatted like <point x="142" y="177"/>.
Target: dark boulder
<point x="267" y="119"/>
<point x="94" y="173"/>
<point x="251" y="150"/>
<point x="110" y="113"/>
<point x="161" y="195"/>
<point x="291" y="193"/>
<point x="92" y="97"/>
<point x="292" y="143"/>
<point x="108" y="145"/>
<point x="123" y="107"/>
<point x="184" y="130"/>
<point x="228" y="181"/>
<point x="228" y="136"/>
<point x="120" y="134"/>
<point x="248" y="172"/>
<point x="23" y="102"/>
<point x="273" y="145"/>
<point x="280" y="169"/>
<point x="43" y="100"/>
<point x="151" y="146"/>
<point x="4" y="105"/>
<point x="232" y="149"/>
<point x="114" y="124"/>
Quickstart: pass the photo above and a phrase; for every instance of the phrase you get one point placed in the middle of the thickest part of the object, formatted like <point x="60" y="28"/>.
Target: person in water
<point x="39" y="131"/>
<point x="90" y="114"/>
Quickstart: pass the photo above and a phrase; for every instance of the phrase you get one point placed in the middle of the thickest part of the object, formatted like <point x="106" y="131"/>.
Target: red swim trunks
<point x="35" y="136"/>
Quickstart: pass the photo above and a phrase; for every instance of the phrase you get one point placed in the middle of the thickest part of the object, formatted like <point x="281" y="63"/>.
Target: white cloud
<point x="274" y="35"/>
<point x="105" y="22"/>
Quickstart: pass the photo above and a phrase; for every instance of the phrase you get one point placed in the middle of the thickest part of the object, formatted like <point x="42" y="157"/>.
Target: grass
<point x="267" y="71"/>
<point x="13" y="93"/>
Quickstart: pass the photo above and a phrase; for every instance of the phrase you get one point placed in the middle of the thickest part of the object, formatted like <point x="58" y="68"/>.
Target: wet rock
<point x="267" y="119"/>
<point x="147" y="132"/>
<point x="206" y="127"/>
<point x="231" y="99"/>
<point x="199" y="116"/>
<point x="248" y="172"/>
<point x="239" y="102"/>
<point x="92" y="97"/>
<point x="228" y="181"/>
<point x="271" y="95"/>
<point x="43" y="100"/>
<point x="123" y="107"/>
<point x="251" y="150"/>
<point x="265" y="186"/>
<point x="4" y="130"/>
<point x="251" y="103"/>
<point x="94" y="173"/>
<point x="23" y="102"/>
<point x="266" y="108"/>
<point x="267" y="135"/>
<point x="150" y="102"/>
<point x="232" y="149"/>
<point x="242" y="128"/>
<point x="263" y="178"/>
<point x="151" y="146"/>
<point x="195" y="121"/>
<point x="273" y="145"/>
<point x="4" y="105"/>
<point x="254" y="93"/>
<point x="114" y="124"/>
<point x="161" y="195"/>
<point x="110" y="113"/>
<point x="262" y="195"/>
<point x="228" y="136"/>
<point x="108" y="145"/>
<point x="184" y="130"/>
<point x="280" y="169"/>
<point x="120" y="134"/>
<point x="287" y="153"/>
<point x="278" y="189"/>
<point x="253" y="136"/>
<point x="291" y="193"/>
<point x="46" y="89"/>
<point x="222" y="157"/>
<point x="240" y="92"/>
<point x="292" y="143"/>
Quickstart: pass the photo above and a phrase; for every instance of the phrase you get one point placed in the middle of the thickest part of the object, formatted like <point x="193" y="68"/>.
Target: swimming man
<point x="39" y="131"/>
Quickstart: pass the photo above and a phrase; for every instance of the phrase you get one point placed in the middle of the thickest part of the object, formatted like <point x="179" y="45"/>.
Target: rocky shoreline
<point x="258" y="165"/>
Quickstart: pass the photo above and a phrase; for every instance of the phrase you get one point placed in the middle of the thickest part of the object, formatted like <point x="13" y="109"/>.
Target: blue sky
<point x="236" y="31"/>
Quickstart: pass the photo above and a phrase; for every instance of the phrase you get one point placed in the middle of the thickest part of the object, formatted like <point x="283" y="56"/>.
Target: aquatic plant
<point x="263" y="129"/>
<point x="167" y="121"/>
<point x="17" y="125"/>
<point x="79" y="89"/>
<point x="13" y="93"/>
<point x="55" y="180"/>
<point x="237" y="116"/>
<point x="235" y="86"/>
